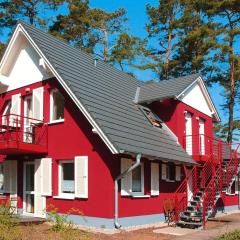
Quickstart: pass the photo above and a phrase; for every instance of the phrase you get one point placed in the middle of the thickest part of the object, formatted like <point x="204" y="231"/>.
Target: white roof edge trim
<point x="20" y="28"/>
<point x="9" y="47"/>
<point x="206" y="94"/>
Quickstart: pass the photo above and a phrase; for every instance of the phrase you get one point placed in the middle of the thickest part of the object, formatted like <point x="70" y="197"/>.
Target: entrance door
<point x="34" y="203"/>
<point x="201" y="136"/>
<point x="28" y="130"/>
<point x="28" y="188"/>
<point x="188" y="132"/>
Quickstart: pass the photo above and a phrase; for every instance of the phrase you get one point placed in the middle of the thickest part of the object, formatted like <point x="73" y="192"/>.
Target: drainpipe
<point x="122" y="175"/>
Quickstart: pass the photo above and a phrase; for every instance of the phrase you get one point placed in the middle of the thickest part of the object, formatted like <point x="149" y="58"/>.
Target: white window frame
<point x="60" y="193"/>
<point x="51" y="108"/>
<point x="141" y="193"/>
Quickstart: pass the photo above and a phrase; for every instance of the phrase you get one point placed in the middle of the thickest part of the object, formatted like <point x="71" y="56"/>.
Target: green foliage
<point x="60" y="222"/>
<point x="230" y="236"/>
<point x="2" y="47"/>
<point x="162" y="28"/>
<point x="32" y="11"/>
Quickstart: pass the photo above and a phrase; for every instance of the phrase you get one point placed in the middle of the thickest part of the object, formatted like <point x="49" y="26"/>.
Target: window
<point x="152" y="117"/>
<point x="138" y="180"/>
<point x="1" y="177"/>
<point x="57" y="106"/>
<point x="66" y="178"/>
<point x="6" y="112"/>
<point x="171" y="173"/>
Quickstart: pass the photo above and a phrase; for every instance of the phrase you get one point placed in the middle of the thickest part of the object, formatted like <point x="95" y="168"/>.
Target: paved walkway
<point x="223" y="224"/>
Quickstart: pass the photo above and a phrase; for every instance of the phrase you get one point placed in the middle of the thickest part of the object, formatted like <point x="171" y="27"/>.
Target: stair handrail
<point x="182" y="202"/>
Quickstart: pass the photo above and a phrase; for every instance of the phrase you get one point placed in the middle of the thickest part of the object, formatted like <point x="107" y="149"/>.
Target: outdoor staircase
<point x="208" y="182"/>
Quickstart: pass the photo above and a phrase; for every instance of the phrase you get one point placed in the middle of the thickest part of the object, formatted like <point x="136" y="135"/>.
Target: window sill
<point x="167" y="180"/>
<point x="64" y="197"/>
<point x="140" y="196"/>
<point x="56" y="121"/>
<point x="231" y="194"/>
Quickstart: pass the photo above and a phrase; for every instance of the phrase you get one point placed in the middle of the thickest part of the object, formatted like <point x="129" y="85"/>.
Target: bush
<point x="60" y="222"/>
<point x="231" y="236"/>
<point x="7" y="218"/>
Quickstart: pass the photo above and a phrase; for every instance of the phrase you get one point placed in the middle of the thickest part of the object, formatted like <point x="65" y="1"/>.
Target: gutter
<point x="122" y="175"/>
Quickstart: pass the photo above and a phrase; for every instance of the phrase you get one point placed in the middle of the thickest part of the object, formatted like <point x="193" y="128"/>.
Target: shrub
<point x="7" y="218"/>
<point x="231" y="236"/>
<point x="60" y="222"/>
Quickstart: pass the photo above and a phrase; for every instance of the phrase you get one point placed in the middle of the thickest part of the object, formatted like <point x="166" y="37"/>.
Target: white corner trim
<point x="21" y="29"/>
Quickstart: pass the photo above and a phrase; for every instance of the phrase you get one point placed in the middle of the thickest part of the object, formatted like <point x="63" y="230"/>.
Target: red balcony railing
<point x="22" y="135"/>
<point x="201" y="147"/>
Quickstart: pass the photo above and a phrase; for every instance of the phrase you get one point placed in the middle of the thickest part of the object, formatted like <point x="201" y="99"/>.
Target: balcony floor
<point x="15" y="148"/>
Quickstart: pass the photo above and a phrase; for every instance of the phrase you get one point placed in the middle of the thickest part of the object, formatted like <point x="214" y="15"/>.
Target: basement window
<point x="152" y="117"/>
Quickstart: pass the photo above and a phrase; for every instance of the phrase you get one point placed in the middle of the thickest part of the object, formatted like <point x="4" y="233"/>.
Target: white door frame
<point x="24" y="187"/>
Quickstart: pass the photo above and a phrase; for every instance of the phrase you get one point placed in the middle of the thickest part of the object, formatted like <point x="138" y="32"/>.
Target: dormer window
<point x="152" y="117"/>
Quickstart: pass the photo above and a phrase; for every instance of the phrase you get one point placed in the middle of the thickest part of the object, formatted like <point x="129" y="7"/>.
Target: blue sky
<point x="136" y="13"/>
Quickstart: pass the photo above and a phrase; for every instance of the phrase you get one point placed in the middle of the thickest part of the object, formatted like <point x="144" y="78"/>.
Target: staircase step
<point x="189" y="224"/>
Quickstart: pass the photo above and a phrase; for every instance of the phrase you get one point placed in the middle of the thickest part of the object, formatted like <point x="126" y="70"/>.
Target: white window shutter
<point x="15" y="109"/>
<point x="126" y="182"/>
<point x="81" y="176"/>
<point x="178" y="173"/>
<point x="154" y="179"/>
<point x="39" y="200"/>
<point x="7" y="168"/>
<point x="164" y="171"/>
<point x="38" y="103"/>
<point x="46" y="170"/>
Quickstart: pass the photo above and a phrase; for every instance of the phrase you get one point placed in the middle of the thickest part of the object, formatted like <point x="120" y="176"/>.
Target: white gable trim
<point x="205" y="94"/>
<point x="20" y="29"/>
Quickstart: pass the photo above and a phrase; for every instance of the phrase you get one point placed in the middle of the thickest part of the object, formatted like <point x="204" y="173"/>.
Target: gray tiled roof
<point x="107" y="94"/>
<point x="165" y="89"/>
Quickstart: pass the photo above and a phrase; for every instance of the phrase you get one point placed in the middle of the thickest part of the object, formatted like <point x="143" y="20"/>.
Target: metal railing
<point x="20" y="129"/>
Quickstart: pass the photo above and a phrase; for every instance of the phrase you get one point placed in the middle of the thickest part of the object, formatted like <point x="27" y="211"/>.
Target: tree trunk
<point x="105" y="43"/>
<point x="231" y="98"/>
<point x="168" y="53"/>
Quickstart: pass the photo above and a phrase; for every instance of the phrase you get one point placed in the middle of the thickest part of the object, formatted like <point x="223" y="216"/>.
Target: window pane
<point x="136" y="180"/>
<point x="172" y="172"/>
<point x="68" y="177"/>
<point x="58" y="105"/>
<point x="29" y="177"/>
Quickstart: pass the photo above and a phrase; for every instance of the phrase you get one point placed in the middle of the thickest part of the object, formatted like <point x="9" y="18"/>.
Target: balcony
<point x="201" y="147"/>
<point x="22" y="135"/>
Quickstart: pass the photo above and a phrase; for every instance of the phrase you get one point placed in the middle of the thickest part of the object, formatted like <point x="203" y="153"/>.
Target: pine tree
<point x="162" y="29"/>
<point x="195" y="39"/>
<point x="99" y="32"/>
<point x="226" y="16"/>
<point x="32" y="11"/>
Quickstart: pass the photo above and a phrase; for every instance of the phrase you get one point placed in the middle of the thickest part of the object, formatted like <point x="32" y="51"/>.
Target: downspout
<point x="122" y="175"/>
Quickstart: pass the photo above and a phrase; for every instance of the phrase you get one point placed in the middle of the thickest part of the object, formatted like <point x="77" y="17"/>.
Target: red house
<point x="76" y="132"/>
